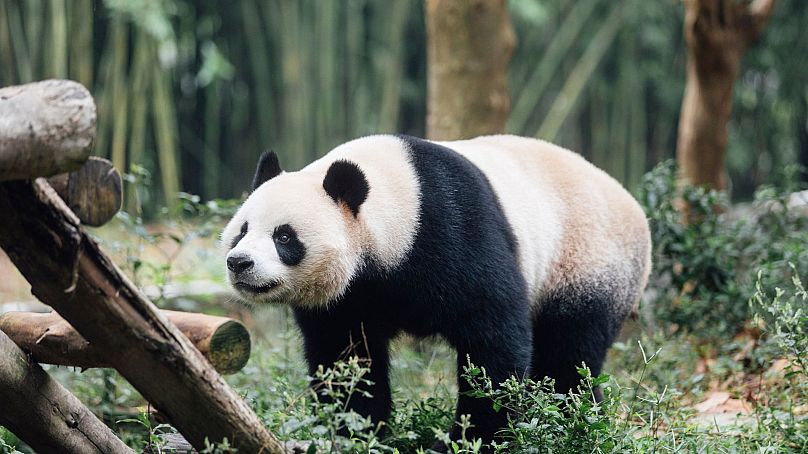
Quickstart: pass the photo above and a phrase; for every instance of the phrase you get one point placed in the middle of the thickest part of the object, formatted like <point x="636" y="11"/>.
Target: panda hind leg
<point x="573" y="327"/>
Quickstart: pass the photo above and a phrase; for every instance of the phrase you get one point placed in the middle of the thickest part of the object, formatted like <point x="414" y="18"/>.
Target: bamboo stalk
<point x="619" y="122"/>
<point x="567" y="98"/>
<point x="166" y="135"/>
<point x="104" y="96"/>
<point x="328" y="72"/>
<point x="569" y="33"/>
<point x="262" y="99"/>
<point x="532" y="41"/>
<point x="637" y="146"/>
<point x="34" y="32"/>
<point x="599" y="118"/>
<point x="20" y="45"/>
<point x="117" y="97"/>
<point x="141" y="85"/>
<point x="81" y="41"/>
<point x="57" y="60"/>
<point x="391" y="88"/>
<point x="211" y="163"/>
<point x="6" y="52"/>
<point x="291" y="73"/>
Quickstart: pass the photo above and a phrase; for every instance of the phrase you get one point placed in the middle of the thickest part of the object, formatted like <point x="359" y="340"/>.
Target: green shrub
<point x="782" y="317"/>
<point x="704" y="271"/>
<point x="8" y="442"/>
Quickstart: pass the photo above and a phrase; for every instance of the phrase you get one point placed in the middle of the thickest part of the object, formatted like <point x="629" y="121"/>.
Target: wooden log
<point x="68" y="271"/>
<point x="41" y="412"/>
<point x="46" y="128"/>
<point x="94" y="192"/>
<point x="176" y="444"/>
<point x="51" y="340"/>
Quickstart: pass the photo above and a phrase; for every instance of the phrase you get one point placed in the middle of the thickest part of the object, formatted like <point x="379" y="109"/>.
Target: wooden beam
<point x="36" y="408"/>
<point x="68" y="271"/>
<point x="45" y="128"/>
<point x="94" y="192"/>
<point x="224" y="342"/>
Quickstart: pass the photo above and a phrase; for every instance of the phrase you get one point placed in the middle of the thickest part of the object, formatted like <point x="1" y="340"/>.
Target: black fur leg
<point x="327" y="341"/>
<point x="503" y="349"/>
<point x="573" y="328"/>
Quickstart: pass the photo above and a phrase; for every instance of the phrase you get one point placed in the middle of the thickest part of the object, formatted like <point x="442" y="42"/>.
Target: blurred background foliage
<point x="189" y="92"/>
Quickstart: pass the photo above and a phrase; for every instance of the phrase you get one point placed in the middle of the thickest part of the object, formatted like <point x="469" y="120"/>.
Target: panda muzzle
<point x="255" y="289"/>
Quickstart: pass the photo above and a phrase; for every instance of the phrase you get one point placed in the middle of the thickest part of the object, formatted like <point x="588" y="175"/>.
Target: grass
<point x="715" y="364"/>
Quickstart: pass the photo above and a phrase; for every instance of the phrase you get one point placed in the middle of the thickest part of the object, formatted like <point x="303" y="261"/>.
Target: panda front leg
<point x="327" y="340"/>
<point x="502" y="344"/>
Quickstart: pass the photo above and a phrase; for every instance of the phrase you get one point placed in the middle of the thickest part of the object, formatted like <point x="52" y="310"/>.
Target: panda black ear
<point x="268" y="168"/>
<point x="345" y="182"/>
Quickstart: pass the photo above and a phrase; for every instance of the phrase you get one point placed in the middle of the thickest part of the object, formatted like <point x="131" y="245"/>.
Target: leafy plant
<point x="8" y="442"/>
<point x="783" y="320"/>
<point x="704" y="269"/>
<point x="153" y="443"/>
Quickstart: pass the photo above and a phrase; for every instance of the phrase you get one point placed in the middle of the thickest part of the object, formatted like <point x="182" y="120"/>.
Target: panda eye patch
<point x="290" y="249"/>
<point x="239" y="236"/>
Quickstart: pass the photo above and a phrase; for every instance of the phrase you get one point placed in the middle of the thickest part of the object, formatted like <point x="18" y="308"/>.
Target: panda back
<point x="572" y="221"/>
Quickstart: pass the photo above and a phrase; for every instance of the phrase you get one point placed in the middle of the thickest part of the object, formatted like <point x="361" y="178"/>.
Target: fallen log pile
<point x="46" y="130"/>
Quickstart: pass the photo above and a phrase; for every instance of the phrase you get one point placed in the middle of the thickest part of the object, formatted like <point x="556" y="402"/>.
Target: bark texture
<point x="469" y="46"/>
<point x="94" y="192"/>
<point x="717" y="33"/>
<point x="44" y="414"/>
<point x="45" y="128"/>
<point x="224" y="342"/>
<point x="68" y="271"/>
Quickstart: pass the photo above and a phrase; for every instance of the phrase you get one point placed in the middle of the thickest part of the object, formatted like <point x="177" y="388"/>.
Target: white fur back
<point x="572" y="221"/>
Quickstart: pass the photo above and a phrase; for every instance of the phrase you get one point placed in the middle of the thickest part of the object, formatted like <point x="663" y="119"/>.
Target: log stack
<point x="101" y="319"/>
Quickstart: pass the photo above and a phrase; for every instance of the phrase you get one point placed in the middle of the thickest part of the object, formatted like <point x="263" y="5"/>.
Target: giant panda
<point x="521" y="254"/>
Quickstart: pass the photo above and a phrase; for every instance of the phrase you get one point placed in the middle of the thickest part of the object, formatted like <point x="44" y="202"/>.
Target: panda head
<point x="297" y="238"/>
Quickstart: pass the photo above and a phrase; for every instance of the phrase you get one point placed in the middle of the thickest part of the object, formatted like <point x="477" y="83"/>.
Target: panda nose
<point x="239" y="263"/>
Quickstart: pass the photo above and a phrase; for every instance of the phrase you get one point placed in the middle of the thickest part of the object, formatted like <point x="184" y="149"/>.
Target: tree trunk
<point x="44" y="414"/>
<point x="45" y="128"/>
<point x="469" y="46"/>
<point x="68" y="271"/>
<point x="224" y="342"/>
<point x="717" y="33"/>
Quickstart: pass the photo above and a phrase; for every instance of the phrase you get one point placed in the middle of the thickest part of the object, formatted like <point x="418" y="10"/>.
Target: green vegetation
<point x="705" y="270"/>
<point x="189" y="92"/>
<point x="716" y="363"/>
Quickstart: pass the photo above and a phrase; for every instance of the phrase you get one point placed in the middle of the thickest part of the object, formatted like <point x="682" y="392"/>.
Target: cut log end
<point x="94" y="192"/>
<point x="229" y="347"/>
